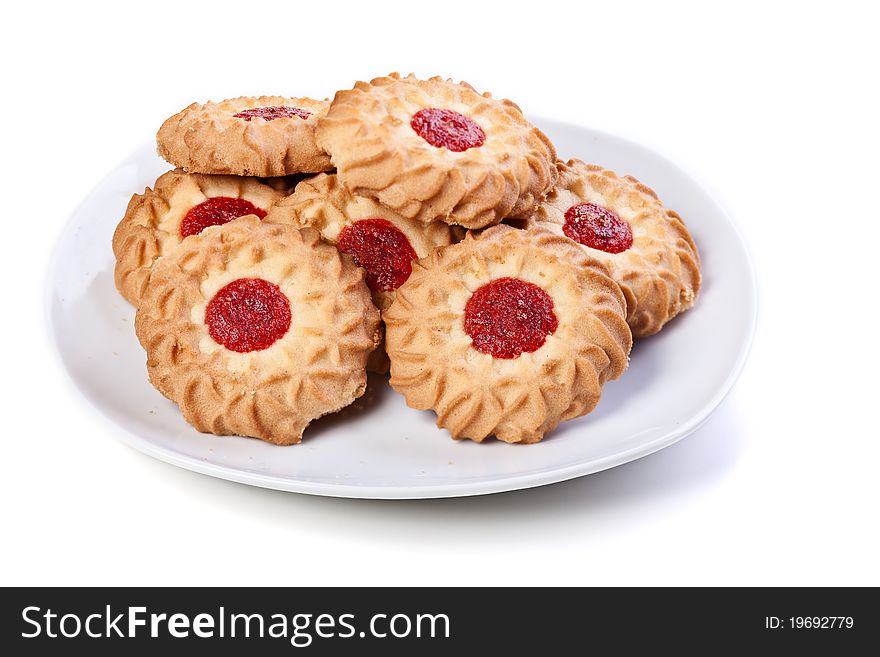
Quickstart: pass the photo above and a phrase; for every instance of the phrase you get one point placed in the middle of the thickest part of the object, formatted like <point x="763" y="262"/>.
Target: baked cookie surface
<point x="246" y="136"/>
<point x="378" y="239"/>
<point x="437" y="150"/>
<point x="507" y="334"/>
<point x="257" y="329"/>
<point x="381" y="241"/>
<point x="622" y="222"/>
<point x="180" y="205"/>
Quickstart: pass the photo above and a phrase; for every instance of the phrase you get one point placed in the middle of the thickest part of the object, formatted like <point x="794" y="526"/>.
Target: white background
<point x="774" y="107"/>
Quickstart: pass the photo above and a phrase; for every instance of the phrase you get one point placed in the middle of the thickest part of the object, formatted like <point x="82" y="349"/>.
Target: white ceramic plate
<point x="380" y="448"/>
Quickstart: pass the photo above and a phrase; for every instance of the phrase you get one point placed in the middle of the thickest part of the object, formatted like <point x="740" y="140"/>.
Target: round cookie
<point x="257" y="329"/>
<point x="437" y="150"/>
<point x="247" y="136"/>
<point x="623" y="223"/>
<point x="507" y="334"/>
<point x="378" y="239"/>
<point x="180" y="205"/>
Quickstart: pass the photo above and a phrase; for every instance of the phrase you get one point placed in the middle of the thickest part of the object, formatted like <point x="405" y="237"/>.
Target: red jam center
<point x="447" y="129"/>
<point x="248" y="314"/>
<point x="272" y="113"/>
<point x="508" y="317"/>
<point x="216" y="212"/>
<point x="382" y="249"/>
<point x="597" y="227"/>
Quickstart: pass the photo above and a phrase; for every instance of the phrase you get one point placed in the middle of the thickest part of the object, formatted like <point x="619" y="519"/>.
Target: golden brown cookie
<point x="378" y="239"/>
<point x="257" y="329"/>
<point x="180" y="205"/>
<point x="247" y="136"/>
<point x="437" y="150"/>
<point x="507" y="334"/>
<point x="622" y="223"/>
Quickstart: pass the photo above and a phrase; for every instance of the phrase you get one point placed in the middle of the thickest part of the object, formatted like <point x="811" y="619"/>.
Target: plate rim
<point x="414" y="491"/>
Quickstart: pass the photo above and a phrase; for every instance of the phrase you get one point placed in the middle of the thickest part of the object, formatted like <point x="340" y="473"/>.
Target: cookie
<point x="257" y="329"/>
<point x="180" y="205"/>
<point x="623" y="223"/>
<point x="437" y="150"/>
<point x="507" y="333"/>
<point x="247" y="136"/>
<point x="378" y="239"/>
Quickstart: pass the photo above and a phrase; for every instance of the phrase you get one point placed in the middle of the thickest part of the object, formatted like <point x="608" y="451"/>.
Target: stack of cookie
<point x="260" y="288"/>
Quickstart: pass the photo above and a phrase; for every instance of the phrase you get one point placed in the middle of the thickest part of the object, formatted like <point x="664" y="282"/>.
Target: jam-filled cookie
<point x="257" y="329"/>
<point x="622" y="223"/>
<point x="247" y="136"/>
<point x="507" y="334"/>
<point x="378" y="239"/>
<point x="437" y="150"/>
<point x="180" y="205"/>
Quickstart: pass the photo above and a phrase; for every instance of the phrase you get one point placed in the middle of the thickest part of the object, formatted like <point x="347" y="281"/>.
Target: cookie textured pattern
<point x="378" y="239"/>
<point x="246" y="136"/>
<point x="178" y="205"/>
<point x="477" y="389"/>
<point x="437" y="150"/>
<point x="649" y="250"/>
<point x="257" y="329"/>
